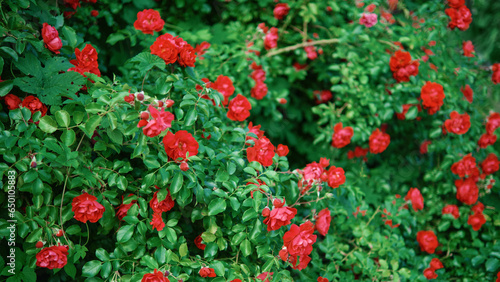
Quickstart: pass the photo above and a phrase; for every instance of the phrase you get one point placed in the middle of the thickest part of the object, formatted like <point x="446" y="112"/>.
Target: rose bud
<point x="39" y="244"/>
<point x="60" y="233"/>
<point x="282" y="101"/>
<point x="184" y="166"/>
<point x="169" y="103"/>
<point x="160" y="103"/>
<point x="140" y="96"/>
<point x="33" y="162"/>
<point x="144" y="115"/>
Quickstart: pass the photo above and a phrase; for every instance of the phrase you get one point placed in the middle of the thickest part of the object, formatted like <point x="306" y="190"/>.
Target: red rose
<point x="178" y="145"/>
<point x="458" y="123"/>
<point x="379" y="141"/>
<point x="51" y="38"/>
<point x="428" y="241"/>
<point x="52" y="257"/>
<point x="402" y="66"/>
<point x="476" y="220"/>
<point x="456" y="3"/>
<point x="94" y="13"/>
<point x="311" y="52"/>
<point x="323" y="220"/>
<point x="198" y="242"/>
<point x="157" y="221"/>
<point x="324" y="162"/>
<point x="493" y="123"/>
<point x="279" y="216"/>
<point x="430" y="274"/>
<point x="200" y="49"/>
<point x="467" y="191"/>
<point x="258" y="74"/>
<point x="304" y="261"/>
<point x="468" y="48"/>
<point x="163" y="206"/>
<point x="281" y="10"/>
<point x="224" y="85"/>
<point x="160" y="122"/>
<point x="187" y="56"/>
<point x="322" y="96"/>
<point x="490" y="164"/>
<point x="239" y="108"/>
<point x="417" y="201"/>
<point x="465" y="167"/>
<point x="236" y="280"/>
<point x="165" y="48"/>
<point x="299" y="240"/>
<point x="86" y="208"/>
<point x="12" y="101"/>
<point x="321" y="279"/>
<point x="148" y="21"/>
<point x="207" y="272"/>
<point x="72" y="3"/>
<point x="432" y="96"/>
<point x="342" y="135"/>
<point x="424" y="146"/>
<point x="336" y="176"/>
<point x="282" y="150"/>
<point x="478" y="208"/>
<point x="86" y="61"/>
<point x="259" y="91"/>
<point x="265" y="276"/>
<point x="460" y="17"/>
<point x="271" y="39"/>
<point x="451" y="209"/>
<point x="157" y="276"/>
<point x="310" y="174"/>
<point x="255" y="130"/>
<point x="468" y="93"/>
<point x="486" y="140"/>
<point x="495" y="77"/>
<point x="122" y="209"/>
<point x="436" y="264"/>
<point x="262" y="152"/>
<point x="34" y="105"/>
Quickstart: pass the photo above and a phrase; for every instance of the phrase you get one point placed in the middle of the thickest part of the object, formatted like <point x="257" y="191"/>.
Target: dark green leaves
<point x="216" y="206"/>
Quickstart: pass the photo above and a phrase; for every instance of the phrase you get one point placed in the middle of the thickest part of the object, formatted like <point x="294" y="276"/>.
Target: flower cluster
<point x="402" y="66"/>
<point x="259" y="90"/>
<point x="460" y="15"/>
<point x="430" y="272"/>
<point x="159" y="208"/>
<point x="174" y="49"/>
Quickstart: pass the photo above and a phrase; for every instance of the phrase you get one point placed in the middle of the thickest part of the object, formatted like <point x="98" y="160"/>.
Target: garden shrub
<point x="247" y="140"/>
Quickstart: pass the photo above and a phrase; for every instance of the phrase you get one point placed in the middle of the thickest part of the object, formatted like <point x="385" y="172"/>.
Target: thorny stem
<point x="368" y="223"/>
<point x="302" y="45"/>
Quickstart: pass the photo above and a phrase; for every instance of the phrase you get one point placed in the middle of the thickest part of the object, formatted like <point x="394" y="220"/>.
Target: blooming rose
<point x="465" y="167"/>
<point x="495" y="77"/>
<point x="34" y="105"/>
<point x="323" y="220"/>
<point x="262" y="152"/>
<point x="299" y="240"/>
<point x="417" y="201"/>
<point x="281" y="10"/>
<point x="178" y="145"/>
<point x="86" y="61"/>
<point x="486" y="140"/>
<point x="468" y="93"/>
<point x="187" y="56"/>
<point x="467" y="191"/>
<point x="148" y="21"/>
<point x="72" y="3"/>
<point x="259" y="91"/>
<point x="456" y="3"/>
<point x="402" y="66"/>
<point x="86" y="208"/>
<point x="490" y="164"/>
<point x="265" y="276"/>
<point x="336" y="176"/>
<point x="282" y="150"/>
<point x="166" y="48"/>
<point x="12" y="101"/>
<point x="478" y="208"/>
<point x="157" y="276"/>
<point x="357" y="153"/>
<point x="428" y="241"/>
<point x="122" y="209"/>
<point x="304" y="261"/>
<point x="160" y="122"/>
<point x="255" y="130"/>
<point x="51" y="38"/>
<point x="94" y="13"/>
<point x="322" y="96"/>
<point x="476" y="220"/>
<point x="207" y="272"/>
<point x="310" y="174"/>
<point x="224" y="85"/>
<point x="436" y="264"/>
<point x="432" y="95"/>
<point x="493" y="123"/>
<point x="342" y="135"/>
<point x="458" y="123"/>
<point x="368" y="19"/>
<point x="424" y="146"/>
<point x="239" y="108"/>
<point x="451" y="209"/>
<point x="278" y="216"/>
<point x="379" y="141"/>
<point x="311" y="52"/>
<point x="271" y="39"/>
<point x="430" y="274"/>
<point x="163" y="206"/>
<point x="322" y="279"/>
<point x="460" y="18"/>
<point x="198" y="242"/>
<point x="157" y="221"/>
<point x="468" y="48"/>
<point x="200" y="49"/>
<point x="52" y="257"/>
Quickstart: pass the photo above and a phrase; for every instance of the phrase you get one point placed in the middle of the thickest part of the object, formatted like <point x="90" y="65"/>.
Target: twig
<point x="302" y="45"/>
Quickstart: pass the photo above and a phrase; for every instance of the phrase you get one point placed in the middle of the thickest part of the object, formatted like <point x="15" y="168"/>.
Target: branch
<point x="302" y="45"/>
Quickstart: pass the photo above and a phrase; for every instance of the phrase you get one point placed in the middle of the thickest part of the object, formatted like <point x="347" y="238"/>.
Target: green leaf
<point x="218" y="267"/>
<point x="91" y="268"/>
<point x="37" y="187"/>
<point x="190" y="117"/>
<point x="35" y="236"/>
<point x="246" y="248"/>
<point x="171" y="235"/>
<point x="208" y="237"/>
<point x="492" y="265"/>
<point x="183" y="250"/>
<point x="92" y="124"/>
<point x="125" y="233"/>
<point x="147" y="61"/>
<point x="149" y="262"/>
<point x="5" y="87"/>
<point x="47" y="124"/>
<point x="211" y="250"/>
<point x="70" y="36"/>
<point x="216" y="206"/>
<point x="102" y="254"/>
<point x="177" y="182"/>
<point x="412" y="113"/>
<point x="68" y="137"/>
<point x="62" y="118"/>
<point x="70" y="269"/>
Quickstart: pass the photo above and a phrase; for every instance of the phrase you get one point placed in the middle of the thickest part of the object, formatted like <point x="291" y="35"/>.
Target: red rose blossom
<point x="51" y="38"/>
<point x="198" y="242"/>
<point x="322" y="279"/>
<point x="379" y="141"/>
<point x="157" y="276"/>
<point x="495" y="77"/>
<point x="428" y="241"/>
<point x="282" y="150"/>
<point x="271" y="39"/>
<point x="239" y="108"/>
<point x="490" y="164"/>
<point x="161" y="120"/>
<point x="262" y="152"/>
<point x="458" y="123"/>
<point x="342" y="135"/>
<point x="281" y="10"/>
<point x="402" y="66"/>
<point x="178" y="145"/>
<point x="122" y="209"/>
<point x="34" y="105"/>
<point x="465" y="167"/>
<point x="417" y="201"/>
<point x="476" y="220"/>
<point x="224" y="85"/>
<point x="451" y="209"/>
<point x="432" y="96"/>
<point x="12" y="101"/>
<point x="336" y="176"/>
<point x="460" y="17"/>
<point x="468" y="48"/>
<point x="467" y="191"/>
<point x="456" y="3"/>
<point x="468" y="93"/>
<point x="148" y="21"/>
<point x="265" y="276"/>
<point x="166" y="48"/>
<point x="323" y="220"/>
<point x="86" y="208"/>
<point x="259" y="91"/>
<point x="52" y="257"/>
<point x="157" y="221"/>
<point x="255" y="130"/>
<point x="86" y="61"/>
<point x="486" y="140"/>
<point x="187" y="56"/>
<point x="430" y="274"/>
<point x="164" y="206"/>
<point x="478" y="208"/>
<point x="322" y="96"/>
<point x="436" y="264"/>
<point x="279" y="215"/>
<point x="424" y="146"/>
<point x="299" y="240"/>
<point x="207" y="272"/>
<point x="492" y="123"/>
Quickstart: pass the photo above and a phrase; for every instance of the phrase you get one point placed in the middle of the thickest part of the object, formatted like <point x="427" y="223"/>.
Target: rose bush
<point x="248" y="140"/>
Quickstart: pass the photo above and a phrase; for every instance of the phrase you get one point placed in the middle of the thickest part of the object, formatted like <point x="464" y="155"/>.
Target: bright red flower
<point x="342" y="135"/>
<point x="178" y="145"/>
<point x="424" y="146"/>
<point x="358" y="152"/>
<point x="86" y="61"/>
<point x="72" y="3"/>
<point x="12" y="101"/>
<point x="279" y="216"/>
<point x="282" y="150"/>
<point x="458" y="123"/>
<point x="460" y="17"/>
<point x="310" y="174"/>
<point x="476" y="220"/>
<point x="478" y="208"/>
<point x="465" y="167"/>
<point x="428" y="241"/>
<point x="94" y="13"/>
<point x="467" y="191"/>
<point x="265" y="276"/>
<point x="299" y="240"/>
<point x="236" y="280"/>
<point x="160" y="122"/>
<point x="52" y="257"/>
<point x="468" y="93"/>
<point x="436" y="264"/>
<point x="86" y="208"/>
<point x="281" y="10"/>
<point x="402" y="66"/>
<point x="323" y="220"/>
<point x="322" y="96"/>
<point x="198" y="242"/>
<point x="490" y="164"/>
<point x="493" y="123"/>
<point x="304" y="261"/>
<point x="456" y="3"/>
<point x="163" y="206"/>
<point x="51" y="38"/>
<point x="262" y="152"/>
<point x="430" y="274"/>
<point x="432" y="96"/>
<point x="451" y="209"/>
<point x="258" y="74"/>
<point x="495" y="77"/>
<point x="157" y="221"/>
<point x="311" y="52"/>
<point x="417" y="201"/>
<point x="255" y="130"/>
<point x="321" y="279"/>
<point x="379" y="141"/>
<point x="271" y="39"/>
<point x="468" y="48"/>
<point x="34" y="105"/>
<point x="157" y="276"/>
<point x="207" y="272"/>
<point x="122" y="209"/>
<point x="259" y="91"/>
<point x="486" y="140"/>
<point x="239" y="108"/>
<point x="336" y="176"/>
<point x="299" y="67"/>
<point x="148" y="21"/>
<point x="166" y="48"/>
<point x="224" y="86"/>
<point x="368" y="19"/>
<point x="200" y="49"/>
<point x="187" y="56"/>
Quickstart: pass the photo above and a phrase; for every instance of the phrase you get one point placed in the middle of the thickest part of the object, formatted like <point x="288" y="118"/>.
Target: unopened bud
<point x="160" y="103"/>
<point x="184" y="166"/>
<point x="140" y="96"/>
<point x="39" y="244"/>
<point x="169" y="103"/>
<point x="144" y="115"/>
